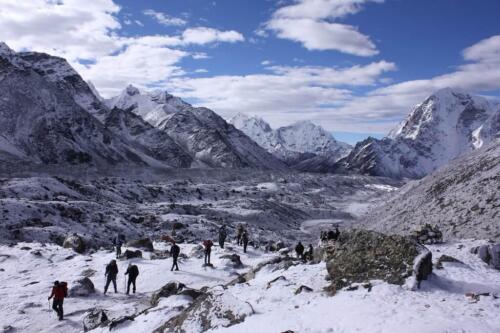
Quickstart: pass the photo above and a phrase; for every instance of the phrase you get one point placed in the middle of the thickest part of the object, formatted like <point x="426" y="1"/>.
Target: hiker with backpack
<point x="133" y="273"/>
<point x="111" y="273"/>
<point x="222" y="236"/>
<point x="118" y="242"/>
<point x="207" y="244"/>
<point x="244" y="239"/>
<point x="239" y="233"/>
<point x="299" y="249"/>
<point x="175" y="250"/>
<point x="59" y="292"/>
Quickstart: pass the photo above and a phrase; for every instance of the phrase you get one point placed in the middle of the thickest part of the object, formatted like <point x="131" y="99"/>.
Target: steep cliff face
<point x="446" y="125"/>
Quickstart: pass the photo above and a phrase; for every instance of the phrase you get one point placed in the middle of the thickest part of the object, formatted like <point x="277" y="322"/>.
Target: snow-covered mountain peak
<point x="294" y="143"/>
<point x="445" y="125"/>
<point x="154" y="106"/>
<point x="250" y="123"/>
<point x="442" y="112"/>
<point x="131" y="90"/>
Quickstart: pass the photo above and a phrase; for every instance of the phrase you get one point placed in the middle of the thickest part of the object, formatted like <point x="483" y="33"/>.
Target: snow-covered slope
<point x="446" y="125"/>
<point x="462" y="198"/>
<point x="208" y="138"/>
<point x="295" y="143"/>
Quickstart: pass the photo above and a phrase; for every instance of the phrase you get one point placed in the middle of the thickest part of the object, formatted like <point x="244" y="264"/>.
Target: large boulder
<point x="95" y="318"/>
<point x="490" y="254"/>
<point x="197" y="252"/>
<point x="215" y="309"/>
<point x="143" y="243"/>
<point x="75" y="242"/>
<point x="361" y="255"/>
<point x="232" y="260"/>
<point x="128" y="254"/>
<point x="174" y="288"/>
<point x="81" y="287"/>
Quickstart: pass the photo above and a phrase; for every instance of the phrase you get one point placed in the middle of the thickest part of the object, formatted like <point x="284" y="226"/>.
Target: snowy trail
<point x="25" y="306"/>
<point x="440" y="306"/>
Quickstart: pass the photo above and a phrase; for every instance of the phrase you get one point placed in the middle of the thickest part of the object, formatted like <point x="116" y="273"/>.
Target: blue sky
<point x="356" y="67"/>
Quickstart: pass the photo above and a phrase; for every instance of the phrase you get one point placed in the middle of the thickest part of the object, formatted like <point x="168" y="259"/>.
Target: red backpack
<point x="64" y="286"/>
<point x="207" y="244"/>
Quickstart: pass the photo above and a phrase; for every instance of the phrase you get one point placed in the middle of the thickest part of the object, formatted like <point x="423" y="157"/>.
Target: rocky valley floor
<point x="272" y="299"/>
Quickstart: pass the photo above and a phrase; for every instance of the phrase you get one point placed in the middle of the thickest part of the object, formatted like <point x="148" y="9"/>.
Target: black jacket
<point x="132" y="271"/>
<point x="175" y="250"/>
<point x="111" y="270"/>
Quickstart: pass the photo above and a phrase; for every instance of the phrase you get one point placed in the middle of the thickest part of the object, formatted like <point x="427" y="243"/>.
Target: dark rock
<point x="25" y="248"/>
<point x="69" y="257"/>
<point x="143" y="243"/>
<point x="303" y="289"/>
<point x="95" y="318"/>
<point x="128" y="254"/>
<point x="36" y="253"/>
<point x="88" y="272"/>
<point x="446" y="258"/>
<point x="8" y="329"/>
<point x="171" y="288"/>
<point x="361" y="255"/>
<point x="279" y="278"/>
<point x="81" y="287"/>
<point x="75" y="242"/>
<point x="234" y="259"/>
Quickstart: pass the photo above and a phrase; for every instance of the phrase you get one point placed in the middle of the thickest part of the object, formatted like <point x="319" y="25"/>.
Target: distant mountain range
<point x="50" y="115"/>
<point x="444" y="126"/>
<point x="295" y="144"/>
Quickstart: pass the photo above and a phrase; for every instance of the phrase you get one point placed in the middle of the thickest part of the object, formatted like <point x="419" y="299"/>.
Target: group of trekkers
<point x="60" y="289"/>
<point x="307" y="255"/>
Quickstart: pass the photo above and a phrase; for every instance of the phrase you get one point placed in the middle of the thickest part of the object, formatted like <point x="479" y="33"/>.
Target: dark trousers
<point x="108" y="281"/>
<point x="245" y="244"/>
<point x="207" y="256"/>
<point x="118" y="250"/>
<point x="221" y="242"/>
<point x="174" y="264"/>
<point x="131" y="281"/>
<point x="57" y="306"/>
<point x="239" y="239"/>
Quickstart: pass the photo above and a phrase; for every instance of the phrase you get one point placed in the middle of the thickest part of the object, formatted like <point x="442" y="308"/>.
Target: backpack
<point x="64" y="286"/>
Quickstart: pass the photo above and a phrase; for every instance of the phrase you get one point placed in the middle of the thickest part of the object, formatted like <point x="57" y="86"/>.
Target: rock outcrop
<point x="359" y="256"/>
<point x="81" y="287"/>
<point x="75" y="242"/>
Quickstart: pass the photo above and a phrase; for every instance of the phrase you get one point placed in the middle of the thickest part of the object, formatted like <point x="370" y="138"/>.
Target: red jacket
<point x="58" y="292"/>
<point x="208" y="244"/>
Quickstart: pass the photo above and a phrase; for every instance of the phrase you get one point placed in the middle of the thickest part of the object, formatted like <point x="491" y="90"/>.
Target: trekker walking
<point x="299" y="249"/>
<point x="244" y="239"/>
<point x="59" y="292"/>
<point x="239" y="233"/>
<point x="175" y="250"/>
<point x="118" y="242"/>
<point x="111" y="273"/>
<point x="222" y="236"/>
<point x="133" y="273"/>
<point x="310" y="253"/>
<point x="208" y="249"/>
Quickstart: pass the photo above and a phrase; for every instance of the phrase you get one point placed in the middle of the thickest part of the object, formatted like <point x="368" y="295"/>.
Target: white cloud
<point x="90" y="30"/>
<point x="309" y="22"/>
<point x="204" y="35"/>
<point x="286" y="94"/>
<point x="321" y="35"/>
<point x="201" y="70"/>
<point x="72" y="29"/>
<point x="266" y="62"/>
<point x="164" y="19"/>
<point x="140" y="63"/>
